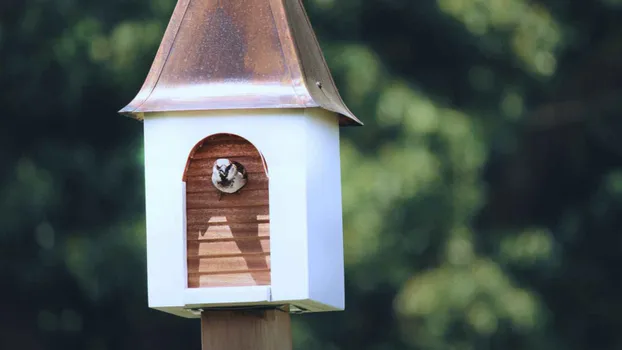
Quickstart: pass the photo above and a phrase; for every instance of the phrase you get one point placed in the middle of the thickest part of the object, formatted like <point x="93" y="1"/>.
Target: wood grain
<point x="200" y="184"/>
<point x="244" y="198"/>
<point x="227" y="232"/>
<point x="204" y="166"/>
<point x="227" y="148"/>
<point x="229" y="212"/>
<point x="257" y="278"/>
<point x="237" y="330"/>
<point x="202" y="232"/>
<point x="206" y="217"/>
<point x="236" y="246"/>
<point x="228" y="240"/>
<point x="246" y="262"/>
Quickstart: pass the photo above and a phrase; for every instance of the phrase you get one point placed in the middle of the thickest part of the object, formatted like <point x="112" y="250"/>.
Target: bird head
<point x="225" y="169"/>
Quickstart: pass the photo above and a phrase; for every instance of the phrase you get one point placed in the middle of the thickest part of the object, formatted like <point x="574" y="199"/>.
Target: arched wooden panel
<point x="228" y="241"/>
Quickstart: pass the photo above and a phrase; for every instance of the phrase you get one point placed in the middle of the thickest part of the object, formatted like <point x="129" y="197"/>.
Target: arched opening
<point x="228" y="239"/>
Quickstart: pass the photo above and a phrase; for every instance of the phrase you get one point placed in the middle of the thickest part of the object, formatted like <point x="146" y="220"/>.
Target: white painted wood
<point x="185" y="234"/>
<point x="165" y="215"/>
<point x="324" y="213"/>
<point x="301" y="148"/>
<point x="226" y="295"/>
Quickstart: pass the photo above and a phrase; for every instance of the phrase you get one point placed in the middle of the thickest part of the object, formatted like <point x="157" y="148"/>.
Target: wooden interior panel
<point x="228" y="240"/>
<point x="201" y="184"/>
<point x="207" y="200"/>
<point x="223" y="247"/>
<point x="201" y="166"/>
<point x="218" y="264"/>
<point x="222" y="231"/>
<point x="231" y="280"/>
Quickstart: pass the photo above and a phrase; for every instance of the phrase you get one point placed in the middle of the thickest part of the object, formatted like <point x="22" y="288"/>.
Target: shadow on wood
<point x="228" y="240"/>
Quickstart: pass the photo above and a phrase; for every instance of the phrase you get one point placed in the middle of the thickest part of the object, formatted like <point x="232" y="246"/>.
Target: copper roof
<point x="223" y="54"/>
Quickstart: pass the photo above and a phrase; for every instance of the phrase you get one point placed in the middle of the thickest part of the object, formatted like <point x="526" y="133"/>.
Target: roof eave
<point x="138" y="114"/>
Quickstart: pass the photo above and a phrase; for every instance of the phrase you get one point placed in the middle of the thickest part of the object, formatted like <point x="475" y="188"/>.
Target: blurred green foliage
<point x="498" y="121"/>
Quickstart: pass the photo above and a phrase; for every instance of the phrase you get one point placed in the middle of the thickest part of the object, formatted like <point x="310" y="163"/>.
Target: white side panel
<point x="288" y="212"/>
<point x="165" y="214"/>
<point x="326" y="266"/>
<point x="169" y="139"/>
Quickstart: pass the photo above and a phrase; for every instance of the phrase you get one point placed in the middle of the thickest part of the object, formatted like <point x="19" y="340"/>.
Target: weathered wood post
<point x="259" y="329"/>
<point x="239" y="94"/>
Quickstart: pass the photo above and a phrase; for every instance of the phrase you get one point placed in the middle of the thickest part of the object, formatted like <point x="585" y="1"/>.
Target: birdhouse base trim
<point x="295" y="307"/>
<point x="227" y="295"/>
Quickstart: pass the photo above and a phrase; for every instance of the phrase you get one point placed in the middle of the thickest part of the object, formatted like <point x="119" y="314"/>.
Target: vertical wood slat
<point x="228" y="241"/>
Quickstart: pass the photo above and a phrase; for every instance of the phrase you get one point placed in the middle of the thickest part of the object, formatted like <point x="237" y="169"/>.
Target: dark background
<point x="499" y="120"/>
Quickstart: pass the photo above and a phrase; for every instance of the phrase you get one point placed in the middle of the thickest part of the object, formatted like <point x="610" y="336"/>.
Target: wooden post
<point x="246" y="330"/>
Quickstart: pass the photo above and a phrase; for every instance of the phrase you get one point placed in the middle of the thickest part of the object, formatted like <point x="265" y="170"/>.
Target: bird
<point x="228" y="176"/>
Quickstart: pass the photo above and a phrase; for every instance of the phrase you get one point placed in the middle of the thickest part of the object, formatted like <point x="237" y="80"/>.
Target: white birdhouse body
<point x="297" y="257"/>
<point x="243" y="86"/>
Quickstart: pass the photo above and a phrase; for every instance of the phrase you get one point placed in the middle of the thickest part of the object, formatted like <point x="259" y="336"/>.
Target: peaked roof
<point x="223" y="54"/>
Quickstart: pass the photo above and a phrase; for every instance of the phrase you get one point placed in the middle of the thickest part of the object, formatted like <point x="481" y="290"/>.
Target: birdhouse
<point x="243" y="185"/>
